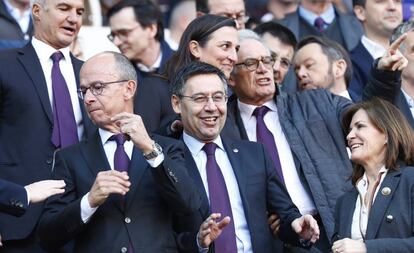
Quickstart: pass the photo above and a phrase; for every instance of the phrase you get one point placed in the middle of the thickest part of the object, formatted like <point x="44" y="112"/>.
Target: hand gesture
<point x="274" y="222"/>
<point x="41" y="190"/>
<point x="393" y="59"/>
<point x="349" y="246"/>
<point x="210" y="230"/>
<point x="106" y="183"/>
<point x="306" y="227"/>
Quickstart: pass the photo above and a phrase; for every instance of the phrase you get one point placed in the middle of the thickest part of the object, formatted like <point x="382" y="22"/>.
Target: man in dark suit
<point x="122" y="185"/>
<point x="31" y="129"/>
<point x="235" y="178"/>
<point x="379" y="19"/>
<point x="321" y="18"/>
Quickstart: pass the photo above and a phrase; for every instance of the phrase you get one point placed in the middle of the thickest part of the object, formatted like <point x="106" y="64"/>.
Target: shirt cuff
<point x="86" y="210"/>
<point x="201" y="249"/>
<point x="27" y="195"/>
<point x="155" y="162"/>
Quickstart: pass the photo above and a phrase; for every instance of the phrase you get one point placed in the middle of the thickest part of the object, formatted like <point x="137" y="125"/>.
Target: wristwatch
<point x="156" y="151"/>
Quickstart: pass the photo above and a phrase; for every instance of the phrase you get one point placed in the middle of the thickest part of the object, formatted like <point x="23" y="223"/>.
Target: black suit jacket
<point x="13" y="198"/>
<point x="390" y="222"/>
<point x="361" y="66"/>
<point x="26" y="123"/>
<point x="261" y="193"/>
<point x="146" y="219"/>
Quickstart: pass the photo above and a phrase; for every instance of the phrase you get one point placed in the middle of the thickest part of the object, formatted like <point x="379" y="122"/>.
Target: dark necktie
<point x="320" y="24"/>
<point x="121" y="159"/>
<point x="219" y="201"/>
<point x="64" y="125"/>
<point x="266" y="137"/>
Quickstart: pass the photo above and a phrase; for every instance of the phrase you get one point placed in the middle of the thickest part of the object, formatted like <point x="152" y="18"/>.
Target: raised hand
<point x="393" y="59"/>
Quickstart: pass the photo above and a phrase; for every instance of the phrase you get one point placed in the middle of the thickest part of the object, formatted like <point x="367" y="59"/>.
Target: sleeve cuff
<point x="156" y="161"/>
<point x="86" y="210"/>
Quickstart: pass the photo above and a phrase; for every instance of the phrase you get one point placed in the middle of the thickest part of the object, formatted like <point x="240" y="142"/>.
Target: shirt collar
<point x="328" y="16"/>
<point x="195" y="146"/>
<point x="155" y="66"/>
<point x="410" y="100"/>
<point x="374" y="49"/>
<point x="44" y="51"/>
<point x="14" y="12"/>
<point x="362" y="183"/>
<point x="247" y="110"/>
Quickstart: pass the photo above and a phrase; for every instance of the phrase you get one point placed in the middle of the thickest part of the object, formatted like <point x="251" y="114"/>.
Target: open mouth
<point x="355" y="146"/>
<point x="263" y="81"/>
<point x="69" y="29"/>
<point x="211" y="120"/>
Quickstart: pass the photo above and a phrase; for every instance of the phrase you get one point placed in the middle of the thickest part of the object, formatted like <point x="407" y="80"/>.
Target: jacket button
<point x="124" y="249"/>
<point x="127" y="220"/>
<point x="390" y="218"/>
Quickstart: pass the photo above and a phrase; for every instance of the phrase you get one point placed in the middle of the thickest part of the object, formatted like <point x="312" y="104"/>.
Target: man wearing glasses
<point x="234" y="9"/>
<point x="122" y="184"/>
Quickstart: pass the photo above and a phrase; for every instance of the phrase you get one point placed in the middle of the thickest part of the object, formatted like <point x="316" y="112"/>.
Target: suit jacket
<point x="390" y="222"/>
<point x="146" y="219"/>
<point x="261" y="193"/>
<point x="25" y="130"/>
<point x="350" y="27"/>
<point x="13" y="198"/>
<point x="361" y="65"/>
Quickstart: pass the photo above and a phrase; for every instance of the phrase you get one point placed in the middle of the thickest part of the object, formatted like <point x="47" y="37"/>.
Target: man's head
<point x="57" y="22"/>
<point x="281" y="42"/>
<point x="107" y="86"/>
<point x="199" y="94"/>
<point x="378" y="17"/>
<point x="135" y="26"/>
<point x="252" y="77"/>
<point x="322" y="63"/>
<point x="234" y="9"/>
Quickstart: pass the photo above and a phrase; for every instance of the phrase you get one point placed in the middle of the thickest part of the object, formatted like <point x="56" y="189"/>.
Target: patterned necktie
<point x="266" y="137"/>
<point x="121" y="159"/>
<point x="64" y="125"/>
<point x="219" y="201"/>
<point x="320" y="24"/>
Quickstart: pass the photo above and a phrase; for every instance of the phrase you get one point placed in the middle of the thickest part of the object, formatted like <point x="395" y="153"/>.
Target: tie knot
<point x="210" y="148"/>
<point x="260" y="111"/>
<point x="57" y="56"/>
<point x="119" y="139"/>
<point x="320" y="23"/>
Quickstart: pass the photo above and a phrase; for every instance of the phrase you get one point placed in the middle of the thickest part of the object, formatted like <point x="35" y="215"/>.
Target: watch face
<point x="157" y="150"/>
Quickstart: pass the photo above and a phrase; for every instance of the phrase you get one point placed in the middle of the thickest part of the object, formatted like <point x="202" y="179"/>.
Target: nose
<point x="117" y="41"/>
<point x="261" y="68"/>
<point x="233" y="55"/>
<point x="276" y="66"/>
<point x="73" y="16"/>
<point x="88" y="98"/>
<point x="300" y="72"/>
<point x="210" y="105"/>
<point x="391" y="5"/>
<point x="350" y="136"/>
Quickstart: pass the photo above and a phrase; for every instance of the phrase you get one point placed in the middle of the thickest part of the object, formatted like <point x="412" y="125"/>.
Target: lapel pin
<point x="389" y="218"/>
<point x="386" y="191"/>
<point x="235" y="150"/>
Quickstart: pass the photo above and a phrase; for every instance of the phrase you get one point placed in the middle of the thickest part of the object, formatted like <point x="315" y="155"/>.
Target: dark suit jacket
<point x="13" y="198"/>
<point x="26" y="123"/>
<point x="361" y="67"/>
<point x="261" y="193"/>
<point x="390" y="222"/>
<point x="350" y="27"/>
<point x="154" y="194"/>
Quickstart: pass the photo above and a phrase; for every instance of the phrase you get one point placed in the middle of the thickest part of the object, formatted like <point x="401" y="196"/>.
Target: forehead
<point x="310" y="51"/>
<point x="125" y="16"/>
<point x="225" y="33"/>
<point x="226" y="6"/>
<point x="100" y="68"/>
<point x="251" y="48"/>
<point x="277" y="46"/>
<point x="203" y="83"/>
<point x="78" y="4"/>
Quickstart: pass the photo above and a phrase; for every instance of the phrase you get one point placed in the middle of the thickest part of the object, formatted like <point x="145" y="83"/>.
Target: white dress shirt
<point x="361" y="213"/>
<point x="374" y="49"/>
<point x="328" y="16"/>
<point x="109" y="147"/>
<point x="155" y="66"/>
<point x="410" y="102"/>
<point x="243" y="239"/>
<point x="297" y="192"/>
<point x="44" y="51"/>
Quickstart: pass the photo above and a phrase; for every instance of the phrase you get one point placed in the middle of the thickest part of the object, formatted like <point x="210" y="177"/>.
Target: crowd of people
<point x="218" y="135"/>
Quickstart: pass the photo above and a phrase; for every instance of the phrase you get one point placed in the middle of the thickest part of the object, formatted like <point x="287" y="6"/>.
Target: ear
<point x="36" y="11"/>
<point x="194" y="48"/>
<point x="175" y="102"/>
<point x="339" y="68"/>
<point x="360" y="12"/>
<point x="131" y="88"/>
<point x="152" y="29"/>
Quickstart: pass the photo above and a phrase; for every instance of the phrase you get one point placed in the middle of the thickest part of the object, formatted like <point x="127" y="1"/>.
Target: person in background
<point x="182" y="14"/>
<point x="234" y="9"/>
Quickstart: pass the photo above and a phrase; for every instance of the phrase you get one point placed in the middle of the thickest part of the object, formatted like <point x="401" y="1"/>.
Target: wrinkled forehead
<point x="251" y="48"/>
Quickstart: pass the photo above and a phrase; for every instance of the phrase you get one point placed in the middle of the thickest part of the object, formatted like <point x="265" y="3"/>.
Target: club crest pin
<point x="235" y="150"/>
<point x="386" y="191"/>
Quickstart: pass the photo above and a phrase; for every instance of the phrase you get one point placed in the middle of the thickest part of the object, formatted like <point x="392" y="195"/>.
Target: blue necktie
<point x="320" y="24"/>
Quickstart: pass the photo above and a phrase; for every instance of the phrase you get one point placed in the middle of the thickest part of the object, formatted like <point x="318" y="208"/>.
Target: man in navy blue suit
<point x="245" y="189"/>
<point x="27" y="109"/>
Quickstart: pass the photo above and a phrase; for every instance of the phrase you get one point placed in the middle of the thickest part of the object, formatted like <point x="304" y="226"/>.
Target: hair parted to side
<point x="284" y="34"/>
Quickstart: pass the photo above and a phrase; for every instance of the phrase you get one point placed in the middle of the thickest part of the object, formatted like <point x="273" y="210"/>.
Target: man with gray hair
<point x="39" y="109"/>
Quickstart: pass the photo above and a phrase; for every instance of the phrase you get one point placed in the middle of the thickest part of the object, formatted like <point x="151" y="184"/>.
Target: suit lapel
<point x="94" y="154"/>
<point x="30" y="61"/>
<point x="381" y="203"/>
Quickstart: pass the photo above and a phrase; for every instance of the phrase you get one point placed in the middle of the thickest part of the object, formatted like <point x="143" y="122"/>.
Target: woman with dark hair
<point x="378" y="214"/>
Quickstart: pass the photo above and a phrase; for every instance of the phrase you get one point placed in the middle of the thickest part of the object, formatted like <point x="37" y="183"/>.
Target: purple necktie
<point x="64" y="125"/>
<point x="121" y="159"/>
<point x="320" y="24"/>
<point x="266" y="137"/>
<point x="219" y="201"/>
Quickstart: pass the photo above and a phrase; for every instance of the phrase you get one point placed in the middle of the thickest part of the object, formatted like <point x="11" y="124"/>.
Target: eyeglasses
<point x="253" y="64"/>
<point x="122" y="34"/>
<point x="199" y="99"/>
<point x="240" y="18"/>
<point x="95" y="88"/>
<point x="284" y="62"/>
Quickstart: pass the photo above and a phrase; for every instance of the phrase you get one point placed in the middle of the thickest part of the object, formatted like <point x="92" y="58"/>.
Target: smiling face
<point x="367" y="143"/>
<point x="57" y="22"/>
<point x="201" y="121"/>
<point x="253" y="86"/>
<point x="220" y="50"/>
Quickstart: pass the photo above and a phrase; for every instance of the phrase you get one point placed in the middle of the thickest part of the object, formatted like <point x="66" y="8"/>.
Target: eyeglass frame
<point x="239" y="18"/>
<point x="255" y="67"/>
<point x="206" y="98"/>
<point x="122" y="37"/>
<point x="284" y="62"/>
<point x="94" y="92"/>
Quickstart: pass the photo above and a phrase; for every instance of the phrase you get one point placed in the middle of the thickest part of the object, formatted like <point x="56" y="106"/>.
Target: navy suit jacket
<point x="146" y="219"/>
<point x="390" y="222"/>
<point x="26" y="123"/>
<point x="261" y="193"/>
<point x="13" y="198"/>
<point x="361" y="67"/>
